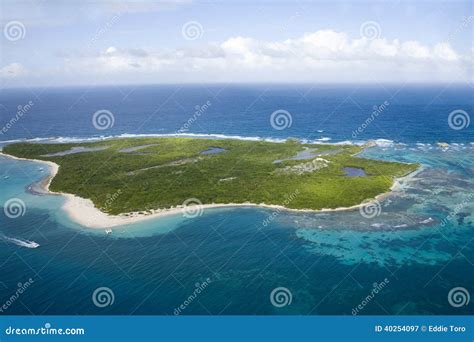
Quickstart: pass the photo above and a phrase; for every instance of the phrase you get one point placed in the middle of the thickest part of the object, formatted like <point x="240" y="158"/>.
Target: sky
<point x="56" y="43"/>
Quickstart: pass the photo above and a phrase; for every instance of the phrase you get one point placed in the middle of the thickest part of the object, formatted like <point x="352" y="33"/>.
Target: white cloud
<point x="12" y="70"/>
<point x="413" y="49"/>
<point x="322" y="56"/>
<point x="444" y="51"/>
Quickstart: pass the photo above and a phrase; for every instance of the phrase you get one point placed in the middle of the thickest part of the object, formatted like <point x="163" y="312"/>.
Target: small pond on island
<point x="213" y="150"/>
<point x="354" y="172"/>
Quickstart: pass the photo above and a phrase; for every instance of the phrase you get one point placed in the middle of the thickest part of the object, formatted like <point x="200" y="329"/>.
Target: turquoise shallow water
<point x="419" y="245"/>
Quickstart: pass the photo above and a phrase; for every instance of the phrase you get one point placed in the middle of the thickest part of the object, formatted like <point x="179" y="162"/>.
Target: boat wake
<point x="19" y="242"/>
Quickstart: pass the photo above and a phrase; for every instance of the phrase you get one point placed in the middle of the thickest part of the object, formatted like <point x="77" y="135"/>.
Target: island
<point x="130" y="177"/>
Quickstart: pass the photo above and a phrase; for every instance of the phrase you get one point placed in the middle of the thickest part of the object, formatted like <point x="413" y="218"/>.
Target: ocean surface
<point x="408" y="258"/>
<point x="407" y="113"/>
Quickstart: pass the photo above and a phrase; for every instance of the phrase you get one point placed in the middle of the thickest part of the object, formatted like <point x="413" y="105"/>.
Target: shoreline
<point x="40" y="187"/>
<point x="322" y="141"/>
<point x="83" y="212"/>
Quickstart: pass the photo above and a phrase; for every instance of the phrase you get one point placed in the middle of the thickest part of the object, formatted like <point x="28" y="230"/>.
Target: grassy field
<point x="167" y="171"/>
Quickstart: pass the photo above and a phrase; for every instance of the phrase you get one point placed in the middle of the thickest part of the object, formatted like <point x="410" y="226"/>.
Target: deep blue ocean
<point x="415" y="113"/>
<point x="417" y="251"/>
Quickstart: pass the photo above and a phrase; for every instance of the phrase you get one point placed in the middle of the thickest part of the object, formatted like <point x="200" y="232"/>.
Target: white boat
<point x="108" y="231"/>
<point x="33" y="244"/>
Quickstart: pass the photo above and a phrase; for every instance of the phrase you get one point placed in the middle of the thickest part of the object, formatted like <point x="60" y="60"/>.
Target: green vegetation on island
<point x="141" y="174"/>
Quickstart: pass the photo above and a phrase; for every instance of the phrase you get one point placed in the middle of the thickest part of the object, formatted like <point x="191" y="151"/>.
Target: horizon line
<point x="106" y="85"/>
